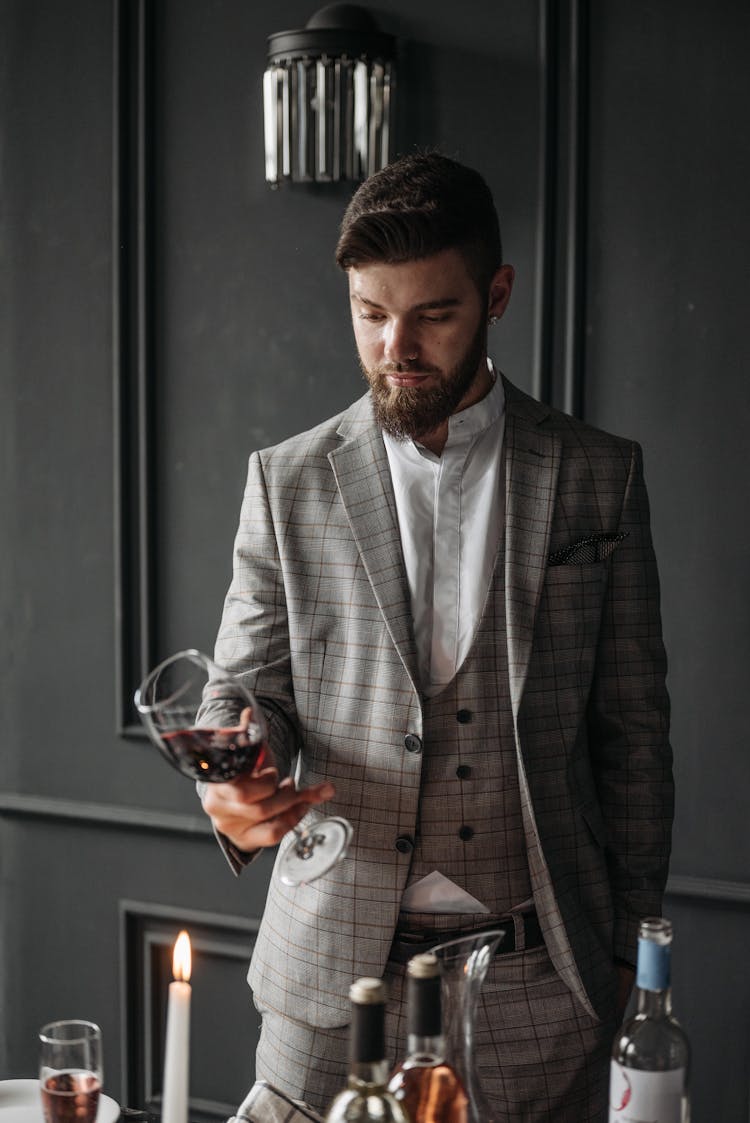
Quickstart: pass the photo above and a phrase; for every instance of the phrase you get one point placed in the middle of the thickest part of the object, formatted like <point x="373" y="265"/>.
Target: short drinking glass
<point x="70" y="1071"/>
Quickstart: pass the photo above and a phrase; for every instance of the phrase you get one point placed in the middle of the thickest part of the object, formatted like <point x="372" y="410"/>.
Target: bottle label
<point x="645" y="1097"/>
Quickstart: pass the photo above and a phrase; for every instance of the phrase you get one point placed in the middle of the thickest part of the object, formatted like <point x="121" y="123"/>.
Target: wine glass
<point x="70" y="1071"/>
<point x="206" y="723"/>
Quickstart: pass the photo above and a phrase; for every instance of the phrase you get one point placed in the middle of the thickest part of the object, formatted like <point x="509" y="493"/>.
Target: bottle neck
<point x="654" y="1003"/>
<point x="424" y="1019"/>
<point x="425" y="1049"/>
<point x="372" y="1074"/>
<point x="653" y="977"/>
<point x="367" y="1045"/>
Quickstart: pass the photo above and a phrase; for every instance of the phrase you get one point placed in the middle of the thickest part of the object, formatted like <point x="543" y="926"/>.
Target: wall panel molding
<point x="147" y="934"/>
<point x="709" y="889"/>
<point x="133" y="265"/>
<point x="558" y="363"/>
<point x="82" y="813"/>
<point x="560" y="298"/>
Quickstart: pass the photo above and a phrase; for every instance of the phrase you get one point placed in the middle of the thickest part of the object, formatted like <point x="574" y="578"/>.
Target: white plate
<point x="20" y="1102"/>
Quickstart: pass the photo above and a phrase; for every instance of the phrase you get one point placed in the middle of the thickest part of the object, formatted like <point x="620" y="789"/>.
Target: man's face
<point x="421" y="333"/>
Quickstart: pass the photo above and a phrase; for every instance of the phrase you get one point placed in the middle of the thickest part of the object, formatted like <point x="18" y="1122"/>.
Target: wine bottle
<point x="425" y="1083"/>
<point x="650" y="1062"/>
<point x="366" y="1096"/>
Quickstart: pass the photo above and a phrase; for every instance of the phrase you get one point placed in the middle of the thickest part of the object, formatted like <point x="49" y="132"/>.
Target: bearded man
<point x="446" y="600"/>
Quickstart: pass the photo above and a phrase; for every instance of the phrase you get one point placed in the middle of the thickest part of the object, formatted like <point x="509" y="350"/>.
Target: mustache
<point x="407" y="367"/>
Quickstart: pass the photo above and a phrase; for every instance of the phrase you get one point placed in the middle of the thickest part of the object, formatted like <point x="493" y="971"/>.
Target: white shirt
<point x="450" y="513"/>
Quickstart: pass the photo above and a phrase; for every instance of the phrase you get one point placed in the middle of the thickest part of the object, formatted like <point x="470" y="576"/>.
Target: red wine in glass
<point x="71" y="1097"/>
<point x="213" y="754"/>
<point x="203" y="719"/>
<point x="70" y="1071"/>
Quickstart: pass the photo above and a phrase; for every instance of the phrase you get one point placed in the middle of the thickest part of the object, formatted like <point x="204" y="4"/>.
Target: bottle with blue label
<point x="651" y="1055"/>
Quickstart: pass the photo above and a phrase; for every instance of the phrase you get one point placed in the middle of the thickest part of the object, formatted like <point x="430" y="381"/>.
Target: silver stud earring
<point x="493" y="320"/>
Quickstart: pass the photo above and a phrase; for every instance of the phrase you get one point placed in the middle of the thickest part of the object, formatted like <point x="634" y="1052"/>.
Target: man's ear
<point x="501" y="287"/>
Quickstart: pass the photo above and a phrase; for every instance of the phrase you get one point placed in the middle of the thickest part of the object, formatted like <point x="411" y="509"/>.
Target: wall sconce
<point x="328" y="98"/>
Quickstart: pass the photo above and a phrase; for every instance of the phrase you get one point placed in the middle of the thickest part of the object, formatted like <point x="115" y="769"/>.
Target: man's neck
<point x="436" y="439"/>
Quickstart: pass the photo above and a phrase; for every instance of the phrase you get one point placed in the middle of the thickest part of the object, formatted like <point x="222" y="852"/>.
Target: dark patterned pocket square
<point x="587" y="551"/>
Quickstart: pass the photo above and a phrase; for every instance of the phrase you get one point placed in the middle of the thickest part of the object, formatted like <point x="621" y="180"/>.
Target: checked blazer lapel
<point x="360" y="466"/>
<point x="532" y="462"/>
<point x="532" y="459"/>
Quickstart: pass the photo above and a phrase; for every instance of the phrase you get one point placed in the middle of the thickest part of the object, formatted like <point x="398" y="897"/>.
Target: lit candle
<point x="177" y="1049"/>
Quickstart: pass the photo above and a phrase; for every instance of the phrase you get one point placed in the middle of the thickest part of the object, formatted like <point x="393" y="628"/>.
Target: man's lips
<point x="405" y="378"/>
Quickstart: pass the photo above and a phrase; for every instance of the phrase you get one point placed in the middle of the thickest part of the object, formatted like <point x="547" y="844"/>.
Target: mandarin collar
<point x="463" y="427"/>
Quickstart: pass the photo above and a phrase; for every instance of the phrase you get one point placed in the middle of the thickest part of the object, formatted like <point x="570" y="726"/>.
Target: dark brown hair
<point x="420" y="205"/>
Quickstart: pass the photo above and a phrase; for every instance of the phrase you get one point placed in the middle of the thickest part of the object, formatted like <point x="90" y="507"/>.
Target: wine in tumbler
<point x="70" y="1071"/>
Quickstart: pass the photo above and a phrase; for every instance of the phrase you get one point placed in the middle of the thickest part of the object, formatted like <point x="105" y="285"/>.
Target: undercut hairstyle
<point x="418" y="206"/>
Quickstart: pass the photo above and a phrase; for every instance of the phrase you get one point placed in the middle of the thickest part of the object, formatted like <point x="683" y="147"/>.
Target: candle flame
<point x="181" y="958"/>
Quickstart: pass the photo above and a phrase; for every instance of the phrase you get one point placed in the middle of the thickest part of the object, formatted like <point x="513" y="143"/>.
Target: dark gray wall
<point x="667" y="355"/>
<point x="103" y="854"/>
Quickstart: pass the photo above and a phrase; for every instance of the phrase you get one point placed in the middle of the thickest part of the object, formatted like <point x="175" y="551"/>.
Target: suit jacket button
<point x="466" y="833"/>
<point x="404" y="844"/>
<point x="464" y="716"/>
<point x="463" y="771"/>
<point x="412" y="743"/>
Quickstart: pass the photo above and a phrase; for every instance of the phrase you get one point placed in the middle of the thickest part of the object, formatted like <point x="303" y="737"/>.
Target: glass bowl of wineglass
<point x="202" y="719"/>
<point x="206" y="722"/>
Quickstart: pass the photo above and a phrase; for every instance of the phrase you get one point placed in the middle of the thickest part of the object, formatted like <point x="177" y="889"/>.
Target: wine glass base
<point x="315" y="853"/>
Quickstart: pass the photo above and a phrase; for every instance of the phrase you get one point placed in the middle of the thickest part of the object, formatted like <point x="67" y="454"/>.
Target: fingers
<point x="256" y="810"/>
<point x="244" y="791"/>
<point x="271" y="831"/>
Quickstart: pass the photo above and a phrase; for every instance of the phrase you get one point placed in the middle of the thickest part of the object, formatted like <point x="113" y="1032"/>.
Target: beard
<point x="409" y="412"/>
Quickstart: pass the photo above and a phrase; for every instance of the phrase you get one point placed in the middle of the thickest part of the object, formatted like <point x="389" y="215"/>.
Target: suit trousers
<point x="540" y="1056"/>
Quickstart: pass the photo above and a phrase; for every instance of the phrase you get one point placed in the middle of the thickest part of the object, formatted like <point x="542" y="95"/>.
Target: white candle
<point x="177" y="1049"/>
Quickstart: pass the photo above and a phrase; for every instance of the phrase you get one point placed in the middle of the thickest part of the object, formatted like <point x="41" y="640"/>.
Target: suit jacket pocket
<point x="587" y="551"/>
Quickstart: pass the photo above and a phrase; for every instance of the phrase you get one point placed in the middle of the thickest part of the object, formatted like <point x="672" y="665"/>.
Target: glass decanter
<point x="464" y="964"/>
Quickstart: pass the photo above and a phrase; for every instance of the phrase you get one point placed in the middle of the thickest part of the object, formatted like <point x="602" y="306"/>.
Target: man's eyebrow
<point x="424" y="306"/>
<point x="446" y="302"/>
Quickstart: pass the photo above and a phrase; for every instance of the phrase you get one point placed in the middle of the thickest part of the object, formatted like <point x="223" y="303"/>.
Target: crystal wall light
<point x="328" y="98"/>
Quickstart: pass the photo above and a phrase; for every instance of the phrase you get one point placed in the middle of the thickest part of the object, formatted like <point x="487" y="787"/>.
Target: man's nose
<point x="400" y="343"/>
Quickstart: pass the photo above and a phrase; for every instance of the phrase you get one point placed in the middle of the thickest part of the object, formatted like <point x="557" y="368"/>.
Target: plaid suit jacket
<point x="317" y="621"/>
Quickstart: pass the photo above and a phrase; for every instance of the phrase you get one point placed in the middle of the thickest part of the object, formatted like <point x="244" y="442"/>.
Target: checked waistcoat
<point x="470" y="827"/>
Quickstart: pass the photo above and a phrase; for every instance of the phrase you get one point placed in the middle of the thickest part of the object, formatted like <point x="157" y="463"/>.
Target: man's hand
<point x="255" y="810"/>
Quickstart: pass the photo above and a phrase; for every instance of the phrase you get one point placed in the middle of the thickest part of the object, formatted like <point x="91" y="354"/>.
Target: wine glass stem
<point x="305" y="842"/>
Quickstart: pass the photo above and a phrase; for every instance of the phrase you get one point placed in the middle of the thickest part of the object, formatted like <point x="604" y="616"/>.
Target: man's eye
<point x="435" y="319"/>
<point x="373" y="317"/>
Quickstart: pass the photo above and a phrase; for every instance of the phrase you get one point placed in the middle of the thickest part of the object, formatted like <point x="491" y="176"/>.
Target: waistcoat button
<point x="465" y="833"/>
<point x="412" y="743"/>
<point x="463" y="772"/>
<point x="464" y="716"/>
<point x="404" y="844"/>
